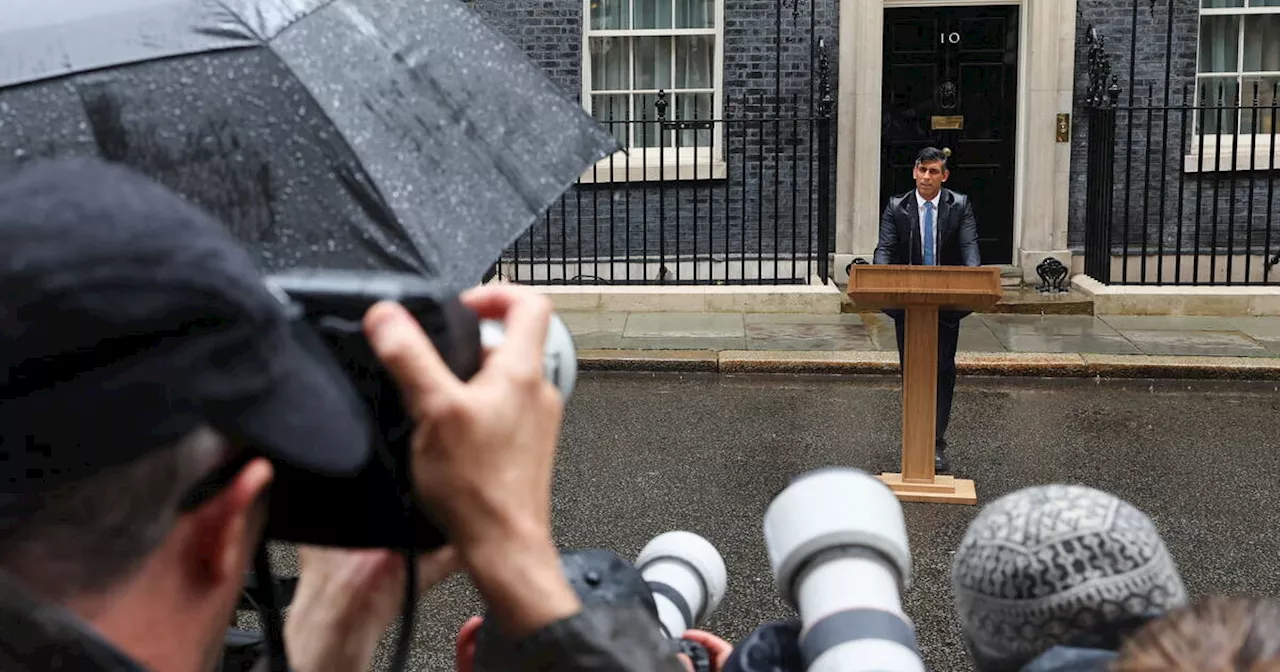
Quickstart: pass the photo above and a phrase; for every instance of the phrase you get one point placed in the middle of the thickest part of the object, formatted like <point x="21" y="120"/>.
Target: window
<point x="635" y="48"/>
<point x="1239" y="53"/>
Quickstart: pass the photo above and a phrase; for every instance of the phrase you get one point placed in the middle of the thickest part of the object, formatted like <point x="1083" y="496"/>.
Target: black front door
<point x="951" y="81"/>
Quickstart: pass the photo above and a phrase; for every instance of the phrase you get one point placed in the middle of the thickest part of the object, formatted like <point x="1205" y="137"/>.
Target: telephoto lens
<point x="559" y="357"/>
<point x="688" y="579"/>
<point x="837" y="544"/>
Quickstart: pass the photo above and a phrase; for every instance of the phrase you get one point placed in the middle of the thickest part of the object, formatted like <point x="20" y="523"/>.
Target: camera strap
<point x="265" y="593"/>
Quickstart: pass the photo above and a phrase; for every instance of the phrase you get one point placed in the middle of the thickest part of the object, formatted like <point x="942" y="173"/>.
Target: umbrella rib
<point x="366" y="192"/>
<point x="262" y="31"/>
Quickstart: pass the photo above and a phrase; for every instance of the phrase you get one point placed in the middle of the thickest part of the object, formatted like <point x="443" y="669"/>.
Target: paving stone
<point x="584" y="322"/>
<point x="1057" y="333"/>
<point x="667" y="325"/>
<point x="854" y="336"/>
<point x="1191" y="343"/>
<point x="788" y="318"/>
<point x="598" y="340"/>
<point x="1168" y="323"/>
<point x="682" y="343"/>
<point x="1258" y="327"/>
<point x="976" y="336"/>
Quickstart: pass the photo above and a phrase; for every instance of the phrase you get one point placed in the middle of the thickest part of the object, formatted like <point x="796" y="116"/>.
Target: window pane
<point x="1261" y="43"/>
<point x="612" y="111"/>
<point x="694" y="58"/>
<point x="653" y="63"/>
<point x="694" y="107"/>
<point x="1264" y="3"/>
<point x="1216" y="4"/>
<point x="609" y="63"/>
<point x="695" y="13"/>
<point x="1263" y="119"/>
<point x="653" y="14"/>
<point x="610" y="14"/>
<point x="1218" y="101"/>
<point x="1219" y="43"/>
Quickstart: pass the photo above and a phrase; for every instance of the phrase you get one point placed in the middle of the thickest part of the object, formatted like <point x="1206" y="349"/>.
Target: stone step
<point x="1023" y="300"/>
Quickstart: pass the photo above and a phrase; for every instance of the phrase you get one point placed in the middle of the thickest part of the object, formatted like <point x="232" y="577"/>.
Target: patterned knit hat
<point x="1049" y="564"/>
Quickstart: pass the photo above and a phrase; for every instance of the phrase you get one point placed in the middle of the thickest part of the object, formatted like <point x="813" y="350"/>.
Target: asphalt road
<point x="643" y="454"/>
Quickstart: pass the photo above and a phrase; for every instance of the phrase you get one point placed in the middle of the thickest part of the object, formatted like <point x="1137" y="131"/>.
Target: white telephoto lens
<point x="687" y="576"/>
<point x="837" y="543"/>
<point x="559" y="359"/>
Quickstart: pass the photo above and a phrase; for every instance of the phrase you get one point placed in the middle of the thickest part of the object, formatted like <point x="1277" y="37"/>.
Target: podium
<point x="921" y="291"/>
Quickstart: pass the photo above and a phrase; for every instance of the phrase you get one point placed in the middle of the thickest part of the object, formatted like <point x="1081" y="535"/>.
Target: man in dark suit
<point x="930" y="225"/>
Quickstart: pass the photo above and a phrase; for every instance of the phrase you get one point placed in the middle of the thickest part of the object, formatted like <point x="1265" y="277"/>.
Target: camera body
<point x="377" y="508"/>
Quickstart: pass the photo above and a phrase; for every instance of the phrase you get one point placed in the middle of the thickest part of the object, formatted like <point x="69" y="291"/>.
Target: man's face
<point x="929" y="178"/>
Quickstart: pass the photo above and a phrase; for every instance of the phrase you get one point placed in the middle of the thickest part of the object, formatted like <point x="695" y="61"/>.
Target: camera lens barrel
<point x="559" y="358"/>
<point x="837" y="544"/>
<point x="687" y="576"/>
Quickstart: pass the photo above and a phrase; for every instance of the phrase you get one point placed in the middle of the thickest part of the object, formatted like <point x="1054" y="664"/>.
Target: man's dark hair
<point x="88" y="536"/>
<point x="931" y="154"/>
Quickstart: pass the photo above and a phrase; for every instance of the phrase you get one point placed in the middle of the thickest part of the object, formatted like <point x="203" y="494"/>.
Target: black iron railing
<point x="1167" y="204"/>
<point x="736" y="200"/>
<point x="1182" y="181"/>
<point x="740" y="197"/>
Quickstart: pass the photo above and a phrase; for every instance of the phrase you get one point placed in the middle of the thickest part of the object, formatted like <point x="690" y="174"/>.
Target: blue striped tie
<point x="928" y="233"/>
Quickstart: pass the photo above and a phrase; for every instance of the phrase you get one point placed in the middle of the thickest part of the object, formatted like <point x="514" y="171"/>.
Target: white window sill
<point x="672" y="169"/>
<point x="1250" y="153"/>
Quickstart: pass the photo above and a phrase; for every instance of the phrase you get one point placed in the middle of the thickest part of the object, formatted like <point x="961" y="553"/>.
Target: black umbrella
<point x="361" y="134"/>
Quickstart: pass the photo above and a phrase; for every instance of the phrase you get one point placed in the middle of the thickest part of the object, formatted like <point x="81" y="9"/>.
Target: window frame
<point x="649" y="163"/>
<point x="1253" y="150"/>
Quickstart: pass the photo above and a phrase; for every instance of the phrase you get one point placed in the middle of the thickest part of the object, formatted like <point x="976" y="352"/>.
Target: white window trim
<point x="1252" y="151"/>
<point x="643" y="164"/>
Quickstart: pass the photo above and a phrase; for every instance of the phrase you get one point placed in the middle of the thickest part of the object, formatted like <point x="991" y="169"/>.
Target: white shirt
<point x="920" y="207"/>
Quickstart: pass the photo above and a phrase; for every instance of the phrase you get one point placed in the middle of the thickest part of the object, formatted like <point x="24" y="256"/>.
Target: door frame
<point x="1020" y="108"/>
<point x="1039" y="227"/>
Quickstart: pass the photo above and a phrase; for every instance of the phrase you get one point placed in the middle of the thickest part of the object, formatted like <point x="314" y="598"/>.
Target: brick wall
<point x="769" y="178"/>
<point x="1150" y="149"/>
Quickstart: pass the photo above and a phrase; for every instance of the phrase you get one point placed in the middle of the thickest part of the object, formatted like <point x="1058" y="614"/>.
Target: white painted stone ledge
<point x="813" y="298"/>
<point x="1173" y="300"/>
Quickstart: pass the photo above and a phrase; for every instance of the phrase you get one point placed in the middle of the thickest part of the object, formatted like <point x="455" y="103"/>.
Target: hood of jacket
<point x="36" y="636"/>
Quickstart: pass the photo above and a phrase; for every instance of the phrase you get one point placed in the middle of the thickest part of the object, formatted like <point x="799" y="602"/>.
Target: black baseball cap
<point x="130" y="317"/>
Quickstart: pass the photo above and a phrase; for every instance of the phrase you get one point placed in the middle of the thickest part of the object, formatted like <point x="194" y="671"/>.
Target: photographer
<point x="150" y="384"/>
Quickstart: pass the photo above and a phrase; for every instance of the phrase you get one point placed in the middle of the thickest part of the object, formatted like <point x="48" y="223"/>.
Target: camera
<point x="837" y="545"/>
<point x="378" y="507"/>
<point x="687" y="577"/>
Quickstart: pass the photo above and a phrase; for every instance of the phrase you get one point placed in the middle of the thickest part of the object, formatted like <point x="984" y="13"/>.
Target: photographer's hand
<point x="483" y="451"/>
<point x="719" y="649"/>
<point x="346" y="599"/>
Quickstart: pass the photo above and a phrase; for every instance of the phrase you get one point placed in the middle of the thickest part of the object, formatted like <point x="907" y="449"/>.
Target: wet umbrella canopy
<point x="360" y="134"/>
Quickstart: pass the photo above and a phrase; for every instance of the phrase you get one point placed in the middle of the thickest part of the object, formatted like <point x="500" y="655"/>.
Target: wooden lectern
<point x="922" y="291"/>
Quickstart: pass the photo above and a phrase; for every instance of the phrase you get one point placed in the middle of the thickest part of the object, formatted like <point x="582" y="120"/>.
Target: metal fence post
<point x="1101" y="101"/>
<point x="1099" y="193"/>
<point x="824" y="163"/>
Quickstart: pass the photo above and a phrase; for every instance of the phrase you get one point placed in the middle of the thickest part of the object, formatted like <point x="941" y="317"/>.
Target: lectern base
<point x="942" y="490"/>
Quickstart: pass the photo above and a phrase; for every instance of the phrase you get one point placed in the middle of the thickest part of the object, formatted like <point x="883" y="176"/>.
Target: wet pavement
<point x="647" y="453"/>
<point x="985" y="333"/>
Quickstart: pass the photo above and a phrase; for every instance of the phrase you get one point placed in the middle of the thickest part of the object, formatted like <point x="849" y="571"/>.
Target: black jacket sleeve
<point x="888" y="241"/>
<point x="968" y="235"/>
<point x="619" y="637"/>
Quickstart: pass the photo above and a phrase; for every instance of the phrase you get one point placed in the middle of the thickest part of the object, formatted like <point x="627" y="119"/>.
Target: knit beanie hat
<point x="1050" y="564"/>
